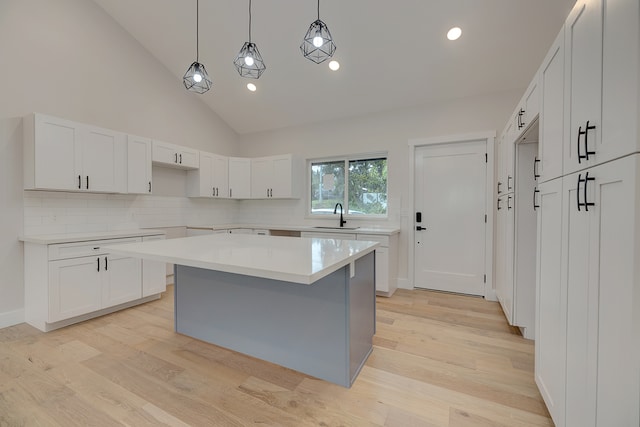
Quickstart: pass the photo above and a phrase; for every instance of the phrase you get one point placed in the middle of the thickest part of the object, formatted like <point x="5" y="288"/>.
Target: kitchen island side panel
<point x="302" y="327"/>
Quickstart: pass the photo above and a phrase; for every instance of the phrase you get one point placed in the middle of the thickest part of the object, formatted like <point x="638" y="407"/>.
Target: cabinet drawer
<point x="384" y="240"/>
<point x="80" y="249"/>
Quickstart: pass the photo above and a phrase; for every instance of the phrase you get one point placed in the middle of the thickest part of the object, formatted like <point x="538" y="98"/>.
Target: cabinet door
<point x="583" y="84"/>
<point x="122" y="279"/>
<point x="505" y="296"/>
<point x="382" y="269"/>
<point x="154" y="278"/>
<point x="74" y="287"/>
<point x="602" y="257"/>
<point x="261" y="177"/>
<point x="552" y="112"/>
<point x="163" y="152"/>
<point x="531" y="104"/>
<point x="239" y="178"/>
<point x="138" y="165"/>
<point x="58" y="153"/>
<point x="199" y="182"/>
<point x="582" y="307"/>
<point x="620" y="79"/>
<point x="500" y="251"/>
<point x="188" y="158"/>
<point x="220" y="176"/>
<point x="282" y="177"/>
<point x="551" y="301"/>
<point x="103" y="160"/>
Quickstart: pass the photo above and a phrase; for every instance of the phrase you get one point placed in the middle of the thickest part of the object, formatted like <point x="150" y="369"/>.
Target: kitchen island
<point x="307" y="304"/>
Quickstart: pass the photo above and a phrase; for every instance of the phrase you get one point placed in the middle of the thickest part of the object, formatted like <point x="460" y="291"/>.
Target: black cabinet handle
<point x="536" y="175"/>
<point x="271" y="192"/>
<point x="520" y="121"/>
<point x="176" y="160"/>
<point x="98" y="263"/>
<point x="586" y="141"/>
<point x="230" y="192"/>
<point x="216" y="191"/>
<point x="267" y="192"/>
<point x="586" y="180"/>
<point x="87" y="182"/>
<point x="149" y="186"/>
<point x="499" y="184"/>
<point x="509" y="179"/>
<point x="580" y="156"/>
<point x="213" y="191"/>
<point x="79" y="182"/>
<point x="180" y="158"/>
<point x="106" y="265"/>
<point x="499" y="204"/>
<point x="535" y="205"/>
<point x="509" y="202"/>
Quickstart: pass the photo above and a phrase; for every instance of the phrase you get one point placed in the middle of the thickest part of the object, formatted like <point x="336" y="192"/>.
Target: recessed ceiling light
<point x="454" y="33"/>
<point x="334" y="65"/>
<point x="251" y="87"/>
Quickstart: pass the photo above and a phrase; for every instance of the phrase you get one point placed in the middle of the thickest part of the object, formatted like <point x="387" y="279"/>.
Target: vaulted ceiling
<point x="393" y="53"/>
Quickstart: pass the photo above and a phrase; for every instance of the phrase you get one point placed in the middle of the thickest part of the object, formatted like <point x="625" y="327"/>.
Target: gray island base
<point x="324" y="329"/>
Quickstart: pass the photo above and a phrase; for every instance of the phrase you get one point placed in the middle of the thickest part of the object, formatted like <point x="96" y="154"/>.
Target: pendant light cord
<point x="249" y="21"/>
<point x="318" y="10"/>
<point x="197" y="30"/>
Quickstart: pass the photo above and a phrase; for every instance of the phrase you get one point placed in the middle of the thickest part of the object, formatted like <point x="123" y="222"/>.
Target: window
<point x="359" y="184"/>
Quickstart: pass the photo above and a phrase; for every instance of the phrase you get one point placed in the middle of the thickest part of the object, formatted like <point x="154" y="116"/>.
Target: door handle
<point x="420" y="228"/>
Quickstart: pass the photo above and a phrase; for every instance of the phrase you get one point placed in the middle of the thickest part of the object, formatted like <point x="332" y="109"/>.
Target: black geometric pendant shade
<point x="318" y="46"/>
<point x="196" y="78"/>
<point x="249" y="62"/>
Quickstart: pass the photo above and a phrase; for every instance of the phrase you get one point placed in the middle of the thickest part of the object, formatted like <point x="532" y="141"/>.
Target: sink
<point x="335" y="228"/>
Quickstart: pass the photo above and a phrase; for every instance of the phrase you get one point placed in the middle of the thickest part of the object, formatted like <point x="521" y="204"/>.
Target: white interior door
<point x="450" y="194"/>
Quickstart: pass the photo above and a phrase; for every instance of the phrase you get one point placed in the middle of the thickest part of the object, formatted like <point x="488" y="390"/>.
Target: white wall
<point x="389" y="132"/>
<point x="68" y="58"/>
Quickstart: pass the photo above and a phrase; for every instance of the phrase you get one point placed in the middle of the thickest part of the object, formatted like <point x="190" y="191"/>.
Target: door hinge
<point x="486" y="158"/>
<point x="485" y="218"/>
<point x="485" y="278"/>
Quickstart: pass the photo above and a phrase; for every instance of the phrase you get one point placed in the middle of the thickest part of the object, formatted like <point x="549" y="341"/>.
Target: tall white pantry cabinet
<point x="588" y="268"/>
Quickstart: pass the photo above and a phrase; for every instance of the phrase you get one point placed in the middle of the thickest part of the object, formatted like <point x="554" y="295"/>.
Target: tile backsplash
<point x="47" y="212"/>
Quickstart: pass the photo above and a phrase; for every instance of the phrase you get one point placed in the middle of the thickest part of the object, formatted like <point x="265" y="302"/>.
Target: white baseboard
<point x="404" y="284"/>
<point x="11" y="318"/>
<point x="490" y="295"/>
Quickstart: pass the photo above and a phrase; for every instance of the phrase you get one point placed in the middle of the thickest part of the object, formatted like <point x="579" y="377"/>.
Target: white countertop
<point x="280" y="258"/>
<point x="48" y="239"/>
<point x="388" y="231"/>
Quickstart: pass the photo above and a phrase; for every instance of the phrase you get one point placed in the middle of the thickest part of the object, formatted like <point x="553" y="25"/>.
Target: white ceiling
<point x="393" y="53"/>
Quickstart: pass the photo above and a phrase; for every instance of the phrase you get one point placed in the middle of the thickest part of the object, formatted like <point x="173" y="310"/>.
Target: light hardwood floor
<point x="438" y="360"/>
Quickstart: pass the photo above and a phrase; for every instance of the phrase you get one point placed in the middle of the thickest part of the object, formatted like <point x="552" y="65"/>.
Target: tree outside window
<point x="365" y="192"/>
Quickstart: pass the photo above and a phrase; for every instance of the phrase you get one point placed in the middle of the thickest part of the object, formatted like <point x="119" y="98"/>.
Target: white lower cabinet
<point x="75" y="288"/>
<point x="154" y="275"/>
<point x="69" y="282"/>
<point x="551" y="301"/>
<point x="386" y="256"/>
<point x="593" y="290"/>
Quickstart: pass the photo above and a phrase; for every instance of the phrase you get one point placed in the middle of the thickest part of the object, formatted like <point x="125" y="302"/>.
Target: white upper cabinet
<point x="272" y="177"/>
<point x="583" y="84"/>
<point x="239" y="178"/>
<point x="175" y="156"/>
<point x="602" y="44"/>
<point x="64" y="155"/>
<point x="527" y="110"/>
<point x="139" y="165"/>
<point x="552" y="111"/>
<point x="211" y="179"/>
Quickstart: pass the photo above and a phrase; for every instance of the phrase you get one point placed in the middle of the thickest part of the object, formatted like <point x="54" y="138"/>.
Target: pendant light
<point x="196" y="78"/>
<point x="318" y="46"/>
<point x="249" y="62"/>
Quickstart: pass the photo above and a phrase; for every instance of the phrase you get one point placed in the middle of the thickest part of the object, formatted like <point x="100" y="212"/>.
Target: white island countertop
<point x="303" y="260"/>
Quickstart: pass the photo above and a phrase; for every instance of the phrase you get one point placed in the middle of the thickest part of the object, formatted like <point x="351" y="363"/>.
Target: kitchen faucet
<point x="335" y="210"/>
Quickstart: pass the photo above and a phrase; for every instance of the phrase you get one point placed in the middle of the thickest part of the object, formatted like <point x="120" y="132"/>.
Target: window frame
<point x="345" y="202"/>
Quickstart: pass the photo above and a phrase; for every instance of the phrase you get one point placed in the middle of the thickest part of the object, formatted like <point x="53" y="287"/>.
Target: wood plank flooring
<point x="438" y="360"/>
